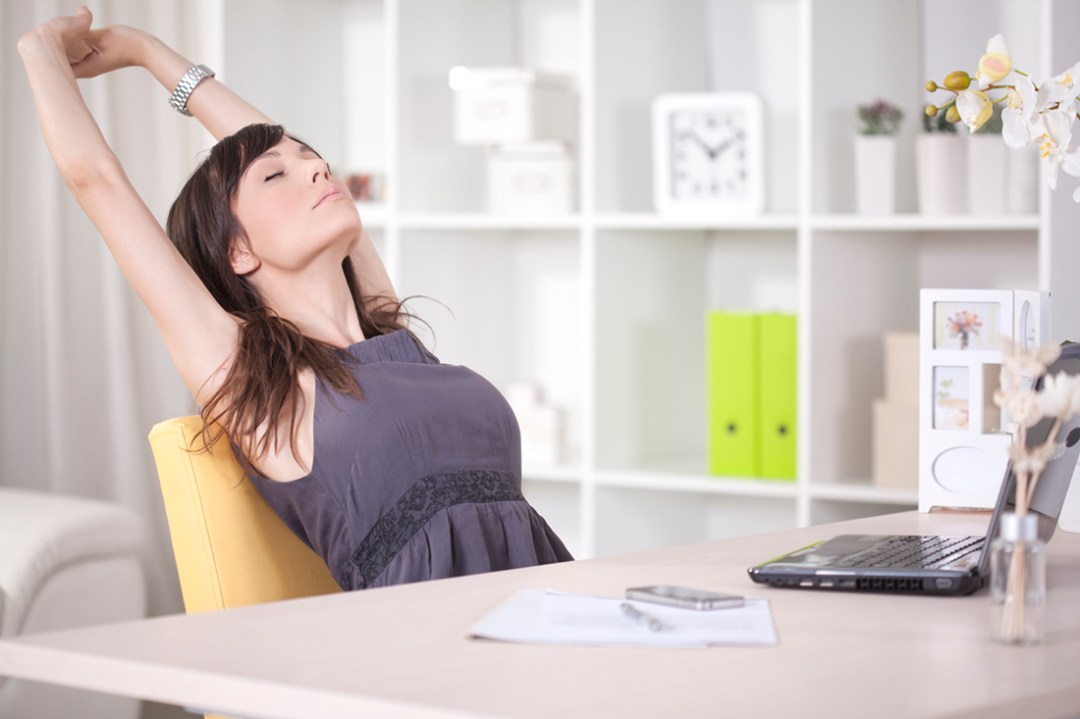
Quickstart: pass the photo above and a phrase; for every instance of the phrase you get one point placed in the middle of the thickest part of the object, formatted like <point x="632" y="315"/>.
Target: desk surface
<point x="401" y="651"/>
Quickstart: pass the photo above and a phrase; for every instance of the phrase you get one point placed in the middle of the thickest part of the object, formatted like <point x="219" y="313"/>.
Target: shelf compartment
<point x="438" y="174"/>
<point x="633" y="519"/>
<point x="653" y="289"/>
<point x="644" y="48"/>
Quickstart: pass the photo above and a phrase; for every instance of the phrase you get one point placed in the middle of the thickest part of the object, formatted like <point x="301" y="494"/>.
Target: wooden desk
<point x="401" y="651"/>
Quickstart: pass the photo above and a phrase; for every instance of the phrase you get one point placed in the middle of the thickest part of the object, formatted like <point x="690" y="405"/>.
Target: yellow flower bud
<point x="957" y="80"/>
<point x="994" y="66"/>
<point x="952" y="115"/>
<point x="931" y="110"/>
<point x="930" y="86"/>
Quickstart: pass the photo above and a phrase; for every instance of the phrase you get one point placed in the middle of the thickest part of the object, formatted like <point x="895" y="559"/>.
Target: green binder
<point x="777" y="363"/>
<point x="732" y="349"/>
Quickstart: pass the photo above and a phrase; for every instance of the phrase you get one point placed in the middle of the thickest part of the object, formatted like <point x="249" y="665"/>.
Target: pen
<point x="641" y="617"/>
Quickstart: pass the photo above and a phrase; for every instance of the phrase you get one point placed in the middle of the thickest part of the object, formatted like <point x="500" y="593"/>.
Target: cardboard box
<point x="512" y="104"/>
<point x="902" y="368"/>
<point x="896" y="445"/>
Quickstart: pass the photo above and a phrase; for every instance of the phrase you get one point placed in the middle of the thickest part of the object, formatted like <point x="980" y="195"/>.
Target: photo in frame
<point x="967" y="325"/>
<point x="952" y="399"/>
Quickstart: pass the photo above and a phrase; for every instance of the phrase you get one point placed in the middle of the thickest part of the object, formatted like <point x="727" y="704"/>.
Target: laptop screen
<point x="1053" y="483"/>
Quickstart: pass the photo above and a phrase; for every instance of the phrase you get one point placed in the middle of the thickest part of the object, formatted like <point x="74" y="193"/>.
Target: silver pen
<point x="641" y="617"/>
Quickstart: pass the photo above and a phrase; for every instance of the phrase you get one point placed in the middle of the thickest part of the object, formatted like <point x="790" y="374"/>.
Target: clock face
<point x="708" y="154"/>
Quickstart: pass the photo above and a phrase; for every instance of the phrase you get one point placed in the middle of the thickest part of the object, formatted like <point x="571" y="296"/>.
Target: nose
<point x="322" y="169"/>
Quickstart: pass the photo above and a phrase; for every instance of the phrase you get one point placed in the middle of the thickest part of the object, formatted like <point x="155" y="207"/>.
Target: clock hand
<point x="704" y="146"/>
<point x="726" y="144"/>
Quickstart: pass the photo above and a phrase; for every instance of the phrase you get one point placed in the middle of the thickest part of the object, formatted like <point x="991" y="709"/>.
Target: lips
<point x="330" y="193"/>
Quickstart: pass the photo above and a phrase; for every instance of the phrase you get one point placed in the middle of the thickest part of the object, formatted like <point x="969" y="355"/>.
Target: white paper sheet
<point x="536" y="617"/>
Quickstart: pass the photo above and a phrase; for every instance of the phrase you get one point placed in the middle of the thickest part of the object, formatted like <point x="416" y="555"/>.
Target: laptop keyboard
<point x="913" y="552"/>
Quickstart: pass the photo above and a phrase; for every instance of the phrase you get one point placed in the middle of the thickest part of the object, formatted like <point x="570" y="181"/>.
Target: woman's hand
<point x="69" y="34"/>
<point x="88" y="52"/>
<point x="113" y="47"/>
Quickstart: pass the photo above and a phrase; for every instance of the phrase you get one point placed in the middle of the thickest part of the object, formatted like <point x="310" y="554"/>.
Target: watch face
<point x="708" y="154"/>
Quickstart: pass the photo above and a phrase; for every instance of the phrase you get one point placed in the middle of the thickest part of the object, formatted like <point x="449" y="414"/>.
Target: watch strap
<point x="191" y="79"/>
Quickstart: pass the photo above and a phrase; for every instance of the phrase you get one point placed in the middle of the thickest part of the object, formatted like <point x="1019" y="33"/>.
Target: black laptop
<point x="932" y="564"/>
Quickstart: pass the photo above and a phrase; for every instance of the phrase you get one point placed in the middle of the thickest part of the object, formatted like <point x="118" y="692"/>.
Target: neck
<point x="317" y="300"/>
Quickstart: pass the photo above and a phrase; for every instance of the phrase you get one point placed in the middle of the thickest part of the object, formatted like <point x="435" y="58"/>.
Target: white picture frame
<point x="963" y="436"/>
<point x="708" y="154"/>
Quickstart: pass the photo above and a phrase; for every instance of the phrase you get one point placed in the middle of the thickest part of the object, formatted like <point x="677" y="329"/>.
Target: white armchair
<point x="65" y="562"/>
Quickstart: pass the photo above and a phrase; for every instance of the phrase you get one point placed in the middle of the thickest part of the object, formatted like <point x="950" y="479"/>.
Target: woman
<point x="284" y="326"/>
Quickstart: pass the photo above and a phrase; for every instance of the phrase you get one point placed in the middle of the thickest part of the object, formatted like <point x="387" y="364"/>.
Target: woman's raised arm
<point x="200" y="335"/>
<point x="221" y="111"/>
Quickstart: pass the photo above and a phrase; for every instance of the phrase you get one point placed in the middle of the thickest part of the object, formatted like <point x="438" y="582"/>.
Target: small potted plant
<point x="941" y="162"/>
<point x="875" y="157"/>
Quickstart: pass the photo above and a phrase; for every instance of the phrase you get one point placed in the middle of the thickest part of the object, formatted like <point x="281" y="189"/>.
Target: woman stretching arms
<point x="283" y="324"/>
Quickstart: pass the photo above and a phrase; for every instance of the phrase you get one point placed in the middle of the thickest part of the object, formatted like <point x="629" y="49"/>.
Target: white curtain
<point x="83" y="374"/>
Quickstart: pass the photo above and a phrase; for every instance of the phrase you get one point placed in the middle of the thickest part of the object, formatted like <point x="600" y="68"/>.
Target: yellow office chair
<point x="231" y="549"/>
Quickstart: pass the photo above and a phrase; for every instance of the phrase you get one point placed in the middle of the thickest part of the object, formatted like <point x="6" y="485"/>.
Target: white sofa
<point x="65" y="562"/>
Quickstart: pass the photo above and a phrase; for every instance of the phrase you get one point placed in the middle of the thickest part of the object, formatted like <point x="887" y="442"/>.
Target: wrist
<point x="36" y="42"/>
<point x="143" y="46"/>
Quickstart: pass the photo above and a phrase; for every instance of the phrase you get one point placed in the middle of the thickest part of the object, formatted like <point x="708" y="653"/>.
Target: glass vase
<point x="1017" y="582"/>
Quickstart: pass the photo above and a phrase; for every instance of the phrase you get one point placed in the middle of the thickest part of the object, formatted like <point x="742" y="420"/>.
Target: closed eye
<point x="279" y="173"/>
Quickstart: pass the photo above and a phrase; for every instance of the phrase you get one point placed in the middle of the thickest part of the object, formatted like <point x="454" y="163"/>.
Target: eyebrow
<point x="274" y="153"/>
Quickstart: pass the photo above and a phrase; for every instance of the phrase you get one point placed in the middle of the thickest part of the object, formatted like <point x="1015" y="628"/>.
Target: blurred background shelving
<point x="604" y="308"/>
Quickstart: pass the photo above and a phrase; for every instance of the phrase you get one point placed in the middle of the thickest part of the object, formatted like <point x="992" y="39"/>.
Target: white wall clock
<point x="708" y="154"/>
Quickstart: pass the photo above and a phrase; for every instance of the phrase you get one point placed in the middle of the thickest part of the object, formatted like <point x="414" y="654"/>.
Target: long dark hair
<point x="262" y="380"/>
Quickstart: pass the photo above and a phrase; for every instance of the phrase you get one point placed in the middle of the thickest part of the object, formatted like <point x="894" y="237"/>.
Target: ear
<point x="242" y="259"/>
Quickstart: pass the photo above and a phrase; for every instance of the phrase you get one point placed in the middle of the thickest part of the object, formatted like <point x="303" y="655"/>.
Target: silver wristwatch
<point x="186" y="86"/>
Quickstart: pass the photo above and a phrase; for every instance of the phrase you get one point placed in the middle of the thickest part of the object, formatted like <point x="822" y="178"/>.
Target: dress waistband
<point x="418" y="505"/>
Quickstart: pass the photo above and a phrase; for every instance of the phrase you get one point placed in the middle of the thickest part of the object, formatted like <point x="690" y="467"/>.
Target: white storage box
<point x="531" y="178"/>
<point x="511" y="104"/>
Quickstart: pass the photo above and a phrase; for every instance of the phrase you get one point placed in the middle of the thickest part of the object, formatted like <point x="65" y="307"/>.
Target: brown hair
<point x="262" y="381"/>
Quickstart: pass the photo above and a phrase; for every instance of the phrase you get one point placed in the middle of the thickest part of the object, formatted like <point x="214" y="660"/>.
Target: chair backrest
<point x="231" y="548"/>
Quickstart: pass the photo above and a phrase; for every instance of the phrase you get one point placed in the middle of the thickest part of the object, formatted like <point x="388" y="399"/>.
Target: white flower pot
<point x="1023" y="179"/>
<point x="942" y="172"/>
<point x="987" y="175"/>
<point x="875" y="174"/>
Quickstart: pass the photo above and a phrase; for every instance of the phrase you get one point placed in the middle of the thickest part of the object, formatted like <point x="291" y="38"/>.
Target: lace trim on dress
<point x="417" y="506"/>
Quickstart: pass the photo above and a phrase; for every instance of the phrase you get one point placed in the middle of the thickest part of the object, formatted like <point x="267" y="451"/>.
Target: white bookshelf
<point x="604" y="308"/>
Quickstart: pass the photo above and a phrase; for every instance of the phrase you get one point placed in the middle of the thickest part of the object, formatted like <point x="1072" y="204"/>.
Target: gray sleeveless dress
<point x="420" y="479"/>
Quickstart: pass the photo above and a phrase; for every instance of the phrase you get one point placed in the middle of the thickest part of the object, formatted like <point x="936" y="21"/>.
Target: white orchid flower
<point x="996" y="64"/>
<point x="975" y="108"/>
<point x="1020" y="120"/>
<point x="1054" y="146"/>
<point x="1063" y="89"/>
